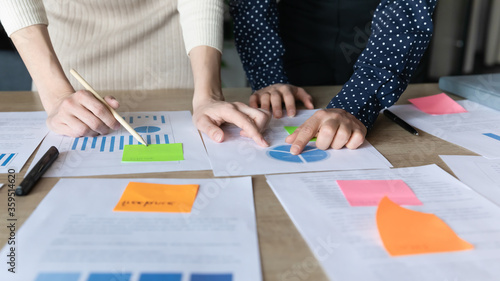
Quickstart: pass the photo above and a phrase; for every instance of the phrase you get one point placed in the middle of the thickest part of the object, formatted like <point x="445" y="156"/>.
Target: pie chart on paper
<point x="147" y="129"/>
<point x="310" y="154"/>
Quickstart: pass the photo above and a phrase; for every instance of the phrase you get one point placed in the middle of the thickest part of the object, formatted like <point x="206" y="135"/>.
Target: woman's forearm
<point x="34" y="45"/>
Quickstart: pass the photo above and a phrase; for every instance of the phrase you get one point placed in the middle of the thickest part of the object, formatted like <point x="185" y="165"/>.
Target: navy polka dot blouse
<point x="401" y="31"/>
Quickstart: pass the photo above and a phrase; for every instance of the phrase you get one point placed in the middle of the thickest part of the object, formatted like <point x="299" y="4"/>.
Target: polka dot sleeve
<point x="257" y="41"/>
<point x="401" y="31"/>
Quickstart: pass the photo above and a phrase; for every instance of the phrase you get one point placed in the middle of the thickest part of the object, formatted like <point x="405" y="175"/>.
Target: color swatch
<point x="408" y="232"/>
<point x="439" y="104"/>
<point x="370" y="192"/>
<point x="151" y="197"/>
<point x="153" y="152"/>
<point x="291" y="129"/>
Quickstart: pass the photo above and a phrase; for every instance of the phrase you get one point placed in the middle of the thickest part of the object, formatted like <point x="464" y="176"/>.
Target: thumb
<point x="206" y="126"/>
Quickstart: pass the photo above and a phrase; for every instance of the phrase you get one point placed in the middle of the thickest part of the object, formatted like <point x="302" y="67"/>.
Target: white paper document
<point x="479" y="173"/>
<point x="87" y="156"/>
<point x="20" y="134"/>
<point x="346" y="242"/>
<point x="477" y="130"/>
<point x="74" y="235"/>
<point x="239" y="155"/>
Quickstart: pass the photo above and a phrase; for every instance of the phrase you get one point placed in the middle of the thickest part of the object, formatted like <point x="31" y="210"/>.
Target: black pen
<point x="400" y="122"/>
<point x="38" y="170"/>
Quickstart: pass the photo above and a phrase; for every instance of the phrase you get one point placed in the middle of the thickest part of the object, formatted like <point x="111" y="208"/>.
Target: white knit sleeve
<point x="18" y="14"/>
<point x="202" y="23"/>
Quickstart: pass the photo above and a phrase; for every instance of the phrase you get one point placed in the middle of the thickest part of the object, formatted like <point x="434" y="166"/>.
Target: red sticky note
<point x="438" y="104"/>
<point x="408" y="232"/>
<point x="370" y="192"/>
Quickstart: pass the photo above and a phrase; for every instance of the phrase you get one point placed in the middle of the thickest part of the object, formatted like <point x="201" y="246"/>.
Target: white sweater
<point x="123" y="44"/>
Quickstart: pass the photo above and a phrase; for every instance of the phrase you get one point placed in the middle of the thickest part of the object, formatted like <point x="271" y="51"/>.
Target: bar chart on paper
<point x="102" y="154"/>
<point x="100" y="276"/>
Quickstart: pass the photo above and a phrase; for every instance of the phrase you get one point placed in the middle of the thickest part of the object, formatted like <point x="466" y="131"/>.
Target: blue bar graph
<point x="7" y="160"/>
<point x="122" y="138"/>
<point x="163" y="119"/>
<point x="116" y="143"/>
<point x="75" y="143"/>
<point x="2" y="155"/>
<point x="131" y="120"/>
<point x="84" y="144"/>
<point x="112" y="144"/>
<point x="103" y="144"/>
<point x="491" y="135"/>
<point x="154" y="118"/>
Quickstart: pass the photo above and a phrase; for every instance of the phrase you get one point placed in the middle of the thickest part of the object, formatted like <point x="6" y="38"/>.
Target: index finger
<point x="244" y="122"/>
<point x="305" y="98"/>
<point x="306" y="132"/>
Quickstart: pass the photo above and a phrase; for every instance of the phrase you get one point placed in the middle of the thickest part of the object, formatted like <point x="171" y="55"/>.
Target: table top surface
<point x="283" y="250"/>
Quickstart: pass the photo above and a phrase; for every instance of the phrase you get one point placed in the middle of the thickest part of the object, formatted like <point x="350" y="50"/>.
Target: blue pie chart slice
<point x="147" y="129"/>
<point x="310" y="154"/>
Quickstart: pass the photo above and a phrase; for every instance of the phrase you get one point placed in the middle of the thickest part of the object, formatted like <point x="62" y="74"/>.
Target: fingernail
<point x="218" y="137"/>
<point x="295" y="149"/>
<point x="291" y="113"/>
<point x="263" y="141"/>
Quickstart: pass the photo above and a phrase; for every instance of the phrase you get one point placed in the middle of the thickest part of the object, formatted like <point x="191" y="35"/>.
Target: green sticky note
<point x="153" y="152"/>
<point x="291" y="129"/>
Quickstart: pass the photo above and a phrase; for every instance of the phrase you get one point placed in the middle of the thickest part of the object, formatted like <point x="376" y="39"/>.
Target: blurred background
<point x="466" y="40"/>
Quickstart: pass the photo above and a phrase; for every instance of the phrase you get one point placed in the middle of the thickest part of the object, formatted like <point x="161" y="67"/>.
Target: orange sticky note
<point x="370" y="192"/>
<point x="151" y="197"/>
<point x="408" y="232"/>
<point x="438" y="104"/>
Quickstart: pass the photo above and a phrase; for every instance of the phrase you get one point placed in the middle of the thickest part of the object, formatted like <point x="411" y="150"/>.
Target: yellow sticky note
<point x="408" y="232"/>
<point x="151" y="197"/>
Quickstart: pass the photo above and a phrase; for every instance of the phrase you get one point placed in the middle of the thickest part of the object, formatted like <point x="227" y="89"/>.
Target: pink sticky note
<point x="370" y="192"/>
<point x="438" y="104"/>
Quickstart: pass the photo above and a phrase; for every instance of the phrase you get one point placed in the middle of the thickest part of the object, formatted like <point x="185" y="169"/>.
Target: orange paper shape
<point x="439" y="104"/>
<point x="151" y="197"/>
<point x="408" y="232"/>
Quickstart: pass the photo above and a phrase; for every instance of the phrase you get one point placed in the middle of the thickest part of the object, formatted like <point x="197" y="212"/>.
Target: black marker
<point x="400" y="122"/>
<point x="40" y="168"/>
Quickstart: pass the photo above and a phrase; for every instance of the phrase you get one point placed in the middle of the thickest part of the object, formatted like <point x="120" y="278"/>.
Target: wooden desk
<point x="284" y="254"/>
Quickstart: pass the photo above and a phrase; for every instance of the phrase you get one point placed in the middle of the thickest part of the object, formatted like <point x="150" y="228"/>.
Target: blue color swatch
<point x="491" y="135"/>
<point x="57" y="276"/>
<point x="160" y="277"/>
<point x="211" y="277"/>
<point x="109" y="277"/>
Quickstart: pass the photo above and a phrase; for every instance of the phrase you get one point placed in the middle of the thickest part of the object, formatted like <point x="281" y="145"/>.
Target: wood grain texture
<point x="284" y="254"/>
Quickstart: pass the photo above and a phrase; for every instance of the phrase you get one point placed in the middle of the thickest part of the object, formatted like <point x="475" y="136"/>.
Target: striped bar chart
<point x="6" y="158"/>
<point x="114" y="143"/>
